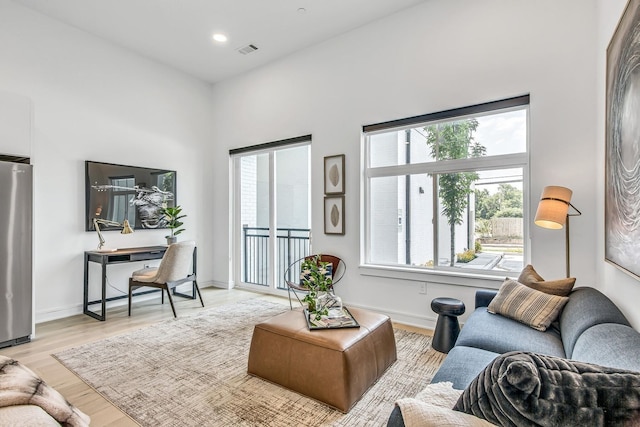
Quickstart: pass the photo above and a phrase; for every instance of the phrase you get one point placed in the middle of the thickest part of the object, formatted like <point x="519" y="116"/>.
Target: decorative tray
<point x="342" y="321"/>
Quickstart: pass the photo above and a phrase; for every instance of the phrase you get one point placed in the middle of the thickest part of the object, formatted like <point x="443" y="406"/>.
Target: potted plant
<point x="317" y="278"/>
<point x="172" y="216"/>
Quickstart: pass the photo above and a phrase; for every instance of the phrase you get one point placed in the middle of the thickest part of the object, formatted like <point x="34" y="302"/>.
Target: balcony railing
<point x="292" y="243"/>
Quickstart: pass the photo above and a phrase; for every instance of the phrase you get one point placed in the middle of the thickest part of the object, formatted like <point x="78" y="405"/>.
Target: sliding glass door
<point x="271" y="214"/>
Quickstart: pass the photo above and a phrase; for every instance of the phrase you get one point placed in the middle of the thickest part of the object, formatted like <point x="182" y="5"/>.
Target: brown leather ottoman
<point x="334" y="366"/>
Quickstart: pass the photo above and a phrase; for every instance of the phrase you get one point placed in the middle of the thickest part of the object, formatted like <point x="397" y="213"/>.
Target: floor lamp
<point x="553" y="213"/>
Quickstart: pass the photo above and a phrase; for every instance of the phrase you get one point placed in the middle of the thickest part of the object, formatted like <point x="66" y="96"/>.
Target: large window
<point x="446" y="191"/>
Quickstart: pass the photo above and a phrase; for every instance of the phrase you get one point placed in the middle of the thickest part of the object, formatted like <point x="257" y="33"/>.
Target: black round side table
<point x="447" y="326"/>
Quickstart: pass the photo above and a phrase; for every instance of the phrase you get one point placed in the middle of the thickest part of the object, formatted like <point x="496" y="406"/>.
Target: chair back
<point x="176" y="262"/>
<point x="337" y="269"/>
<point x="292" y="274"/>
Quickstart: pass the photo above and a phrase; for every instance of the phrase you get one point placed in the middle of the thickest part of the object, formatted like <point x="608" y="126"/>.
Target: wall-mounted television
<point x="119" y="192"/>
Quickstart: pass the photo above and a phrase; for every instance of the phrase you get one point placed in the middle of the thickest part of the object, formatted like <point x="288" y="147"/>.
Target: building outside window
<point x="446" y="191"/>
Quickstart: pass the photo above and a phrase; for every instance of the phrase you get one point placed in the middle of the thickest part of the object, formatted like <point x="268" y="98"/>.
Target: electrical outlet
<point x="423" y="288"/>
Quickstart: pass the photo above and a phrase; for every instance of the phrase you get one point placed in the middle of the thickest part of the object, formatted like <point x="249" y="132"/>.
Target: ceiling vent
<point x="245" y="50"/>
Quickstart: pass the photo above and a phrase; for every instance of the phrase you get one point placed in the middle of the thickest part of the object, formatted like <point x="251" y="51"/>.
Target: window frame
<point x="235" y="157"/>
<point x="495" y="162"/>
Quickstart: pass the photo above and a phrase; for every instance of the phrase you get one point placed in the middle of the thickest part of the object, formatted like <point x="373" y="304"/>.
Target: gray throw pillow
<point x="529" y="389"/>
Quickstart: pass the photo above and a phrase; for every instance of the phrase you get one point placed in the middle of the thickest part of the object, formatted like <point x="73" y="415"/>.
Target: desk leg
<point x="85" y="302"/>
<point x="104" y="289"/>
<point x="103" y="316"/>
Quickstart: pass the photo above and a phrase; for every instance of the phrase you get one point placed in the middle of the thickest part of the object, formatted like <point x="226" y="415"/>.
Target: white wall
<point x="432" y="57"/>
<point x="16" y="124"/>
<point x="623" y="289"/>
<point x="94" y="101"/>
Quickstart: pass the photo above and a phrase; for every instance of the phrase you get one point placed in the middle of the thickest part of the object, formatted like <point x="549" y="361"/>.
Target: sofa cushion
<point x="586" y="307"/>
<point x="520" y="388"/>
<point x="499" y="334"/>
<point x="609" y="344"/>
<point x="533" y="308"/>
<point x="462" y="365"/>
<point x="530" y="277"/>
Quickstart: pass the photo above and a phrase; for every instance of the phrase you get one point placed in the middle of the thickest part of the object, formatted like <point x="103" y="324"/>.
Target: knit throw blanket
<point x="21" y="386"/>
<point x="527" y="389"/>
<point x="432" y="408"/>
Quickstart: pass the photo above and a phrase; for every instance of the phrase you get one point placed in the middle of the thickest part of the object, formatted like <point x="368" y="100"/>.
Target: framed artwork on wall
<point x="334" y="174"/>
<point x="334" y="215"/>
<point x="622" y="152"/>
<point x="137" y="194"/>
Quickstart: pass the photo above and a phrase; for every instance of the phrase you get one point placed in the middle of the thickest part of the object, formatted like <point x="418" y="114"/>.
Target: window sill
<point x="484" y="281"/>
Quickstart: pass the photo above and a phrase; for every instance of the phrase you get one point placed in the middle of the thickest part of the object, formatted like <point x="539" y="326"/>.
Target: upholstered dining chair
<point x="174" y="270"/>
<point x="294" y="282"/>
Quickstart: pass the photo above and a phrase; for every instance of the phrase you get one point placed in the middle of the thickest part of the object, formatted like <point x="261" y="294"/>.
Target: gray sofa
<point x="590" y="329"/>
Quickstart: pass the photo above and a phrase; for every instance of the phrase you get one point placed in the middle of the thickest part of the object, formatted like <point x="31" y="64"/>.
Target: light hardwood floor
<point x="52" y="337"/>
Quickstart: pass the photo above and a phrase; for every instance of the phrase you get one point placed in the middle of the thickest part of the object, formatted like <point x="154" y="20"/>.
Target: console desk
<point x="118" y="257"/>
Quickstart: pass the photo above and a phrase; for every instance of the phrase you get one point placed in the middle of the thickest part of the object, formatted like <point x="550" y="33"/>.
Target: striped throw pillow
<point x="534" y="308"/>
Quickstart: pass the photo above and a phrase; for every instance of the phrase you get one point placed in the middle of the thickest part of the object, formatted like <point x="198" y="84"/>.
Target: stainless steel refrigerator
<point x="16" y="317"/>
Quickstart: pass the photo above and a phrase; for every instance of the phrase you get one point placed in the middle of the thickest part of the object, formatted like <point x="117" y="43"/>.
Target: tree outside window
<point x="450" y="141"/>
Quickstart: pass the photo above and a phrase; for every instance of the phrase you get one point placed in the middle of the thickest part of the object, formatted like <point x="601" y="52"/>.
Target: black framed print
<point x="137" y="194"/>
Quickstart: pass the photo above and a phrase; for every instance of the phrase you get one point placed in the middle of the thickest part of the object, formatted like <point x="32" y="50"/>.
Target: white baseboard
<point x="58" y="313"/>
<point x="420" y="321"/>
<point x="218" y="284"/>
<point x="72" y="310"/>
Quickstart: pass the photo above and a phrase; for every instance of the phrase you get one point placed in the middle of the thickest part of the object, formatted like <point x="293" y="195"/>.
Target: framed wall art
<point x="334" y="215"/>
<point x="118" y="192"/>
<point x="622" y="152"/>
<point x="334" y="174"/>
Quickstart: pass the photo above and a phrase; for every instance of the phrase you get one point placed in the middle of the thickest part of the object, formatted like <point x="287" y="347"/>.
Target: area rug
<point x="192" y="371"/>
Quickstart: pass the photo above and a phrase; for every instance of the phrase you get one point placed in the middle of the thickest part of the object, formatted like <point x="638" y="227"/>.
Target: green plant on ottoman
<point x="172" y="214"/>
<point x="316" y="276"/>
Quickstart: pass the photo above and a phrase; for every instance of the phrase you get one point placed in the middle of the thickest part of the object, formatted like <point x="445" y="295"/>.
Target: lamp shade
<point x="553" y="207"/>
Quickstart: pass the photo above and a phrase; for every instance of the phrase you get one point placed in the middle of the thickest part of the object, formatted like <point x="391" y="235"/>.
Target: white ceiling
<point x="179" y="32"/>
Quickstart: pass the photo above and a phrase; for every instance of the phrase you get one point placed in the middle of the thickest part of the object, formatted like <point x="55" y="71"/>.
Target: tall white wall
<point x="92" y="100"/>
<point x="623" y="289"/>
<point x="16" y="124"/>
<point x="435" y="56"/>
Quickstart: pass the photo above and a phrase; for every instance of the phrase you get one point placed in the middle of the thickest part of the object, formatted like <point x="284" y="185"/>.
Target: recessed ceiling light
<point x="302" y="10"/>
<point x="219" y="37"/>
